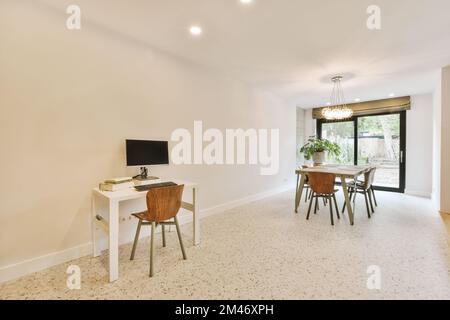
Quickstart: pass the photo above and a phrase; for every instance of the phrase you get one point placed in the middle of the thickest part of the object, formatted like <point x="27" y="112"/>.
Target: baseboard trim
<point x="444" y="212"/>
<point x="421" y="194"/>
<point x="240" y="202"/>
<point x="20" y="269"/>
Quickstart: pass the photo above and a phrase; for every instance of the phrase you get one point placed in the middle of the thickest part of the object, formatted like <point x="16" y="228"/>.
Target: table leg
<point x="296" y="193"/>
<point x="347" y="200"/>
<point x="113" y="241"/>
<point x="96" y="252"/>
<point x="299" y="191"/>
<point x="196" y="218"/>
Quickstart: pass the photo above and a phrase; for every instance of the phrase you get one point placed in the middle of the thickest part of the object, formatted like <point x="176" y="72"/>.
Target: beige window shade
<point x="373" y="107"/>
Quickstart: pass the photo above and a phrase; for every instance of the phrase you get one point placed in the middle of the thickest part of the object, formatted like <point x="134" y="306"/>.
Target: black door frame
<point x="402" y="183"/>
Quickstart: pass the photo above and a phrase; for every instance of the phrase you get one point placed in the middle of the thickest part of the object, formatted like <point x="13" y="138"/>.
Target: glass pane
<point x="343" y="134"/>
<point x="379" y="144"/>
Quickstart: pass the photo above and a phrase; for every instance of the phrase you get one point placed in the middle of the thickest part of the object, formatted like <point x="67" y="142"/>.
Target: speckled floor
<point x="264" y="251"/>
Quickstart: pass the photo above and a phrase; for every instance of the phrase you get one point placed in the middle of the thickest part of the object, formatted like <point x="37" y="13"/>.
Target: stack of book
<point x="149" y="180"/>
<point x="117" y="184"/>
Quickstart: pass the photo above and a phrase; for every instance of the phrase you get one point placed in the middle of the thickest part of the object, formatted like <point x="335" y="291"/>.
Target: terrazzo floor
<point x="264" y="251"/>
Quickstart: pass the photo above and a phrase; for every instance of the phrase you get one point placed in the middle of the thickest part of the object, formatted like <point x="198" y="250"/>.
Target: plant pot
<point x="319" y="158"/>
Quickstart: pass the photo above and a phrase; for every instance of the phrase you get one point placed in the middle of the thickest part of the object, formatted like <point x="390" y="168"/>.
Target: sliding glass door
<point x="343" y="133"/>
<point x="377" y="140"/>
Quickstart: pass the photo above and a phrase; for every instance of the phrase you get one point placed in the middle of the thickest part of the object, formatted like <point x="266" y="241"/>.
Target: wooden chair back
<point x="369" y="178"/>
<point x="321" y="182"/>
<point x="306" y="178"/>
<point x="164" y="203"/>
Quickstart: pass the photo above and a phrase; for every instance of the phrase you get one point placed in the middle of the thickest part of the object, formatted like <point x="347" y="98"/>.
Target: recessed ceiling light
<point x="357" y="100"/>
<point x="392" y="95"/>
<point x="196" y="30"/>
<point x="328" y="103"/>
<point x="246" y="1"/>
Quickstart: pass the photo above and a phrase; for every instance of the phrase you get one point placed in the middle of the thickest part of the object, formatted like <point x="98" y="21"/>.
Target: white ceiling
<point x="292" y="47"/>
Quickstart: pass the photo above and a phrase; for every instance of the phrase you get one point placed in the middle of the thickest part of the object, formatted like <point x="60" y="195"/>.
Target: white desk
<point x="111" y="223"/>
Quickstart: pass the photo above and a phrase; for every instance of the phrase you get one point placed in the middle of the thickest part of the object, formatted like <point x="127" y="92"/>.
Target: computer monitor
<point x="146" y="153"/>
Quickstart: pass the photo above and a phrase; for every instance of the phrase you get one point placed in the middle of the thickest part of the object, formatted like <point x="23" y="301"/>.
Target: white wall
<point x="419" y="146"/>
<point x="445" y="141"/>
<point x="69" y="99"/>
<point x="306" y="127"/>
<point x="437" y="142"/>
<point x="301" y="138"/>
<point x="441" y="142"/>
<point x="310" y="124"/>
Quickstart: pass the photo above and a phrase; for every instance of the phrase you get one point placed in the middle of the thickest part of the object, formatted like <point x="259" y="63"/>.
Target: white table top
<point x="132" y="193"/>
<point x="340" y="170"/>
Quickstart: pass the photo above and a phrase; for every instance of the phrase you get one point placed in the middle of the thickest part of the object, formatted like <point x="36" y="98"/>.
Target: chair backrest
<point x="321" y="182"/>
<point x="307" y="179"/>
<point x="164" y="203"/>
<point x="369" y="177"/>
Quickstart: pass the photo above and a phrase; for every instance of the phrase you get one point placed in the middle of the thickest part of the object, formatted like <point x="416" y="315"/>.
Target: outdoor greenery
<point x="320" y="145"/>
<point x="378" y="138"/>
<point x="341" y="133"/>
<point x="379" y="125"/>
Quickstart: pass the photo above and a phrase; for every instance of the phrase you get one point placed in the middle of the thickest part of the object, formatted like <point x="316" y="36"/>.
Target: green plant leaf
<point x="320" y="145"/>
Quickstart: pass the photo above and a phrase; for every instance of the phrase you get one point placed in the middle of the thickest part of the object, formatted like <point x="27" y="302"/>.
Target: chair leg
<point x="152" y="241"/>
<point x="369" y="193"/>
<point x="164" y="235"/>
<point x="374" y="198"/>
<point x="311" y="192"/>
<point x="331" y="212"/>
<point x="336" y="206"/>
<point x="310" y="205"/>
<point x="136" y="239"/>
<point x="367" y="204"/>
<point x="324" y="201"/>
<point x="179" y="238"/>
<point x="317" y="205"/>
<point x="307" y="194"/>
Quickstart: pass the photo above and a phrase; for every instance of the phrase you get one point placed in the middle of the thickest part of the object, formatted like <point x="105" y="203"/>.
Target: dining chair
<point x="322" y="186"/>
<point x="366" y="188"/>
<point x="373" y="192"/>
<point x="308" y="191"/>
<point x="163" y="205"/>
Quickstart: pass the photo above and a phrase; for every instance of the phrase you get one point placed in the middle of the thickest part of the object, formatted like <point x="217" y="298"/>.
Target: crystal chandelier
<point x="338" y="109"/>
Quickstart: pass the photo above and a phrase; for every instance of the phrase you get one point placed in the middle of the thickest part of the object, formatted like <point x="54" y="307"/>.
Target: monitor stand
<point x="143" y="176"/>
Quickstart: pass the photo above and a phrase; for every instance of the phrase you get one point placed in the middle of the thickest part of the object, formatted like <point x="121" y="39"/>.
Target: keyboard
<point x="155" y="185"/>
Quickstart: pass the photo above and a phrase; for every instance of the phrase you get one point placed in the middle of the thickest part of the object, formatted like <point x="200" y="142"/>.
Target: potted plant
<point x="316" y="149"/>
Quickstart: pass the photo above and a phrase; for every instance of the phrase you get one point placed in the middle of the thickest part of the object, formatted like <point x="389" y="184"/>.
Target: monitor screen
<point x="147" y="153"/>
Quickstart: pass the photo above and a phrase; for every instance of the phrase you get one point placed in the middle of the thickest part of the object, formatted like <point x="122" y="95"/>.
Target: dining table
<point x="348" y="175"/>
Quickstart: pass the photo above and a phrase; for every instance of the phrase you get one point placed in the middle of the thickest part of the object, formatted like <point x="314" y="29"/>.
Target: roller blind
<point x="373" y="107"/>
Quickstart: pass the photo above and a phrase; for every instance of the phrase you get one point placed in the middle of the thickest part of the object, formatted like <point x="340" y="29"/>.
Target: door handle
<point x="401" y="156"/>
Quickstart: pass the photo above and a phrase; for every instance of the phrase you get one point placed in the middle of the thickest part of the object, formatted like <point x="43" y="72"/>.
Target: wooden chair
<point x="308" y="191"/>
<point x="366" y="188"/>
<point x="163" y="205"/>
<point x="322" y="186"/>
